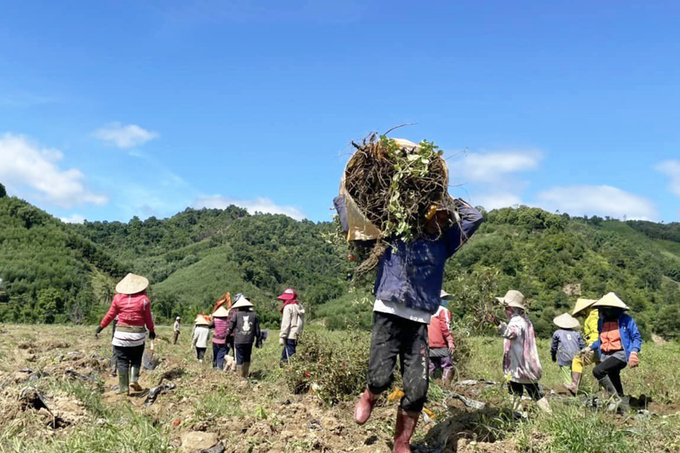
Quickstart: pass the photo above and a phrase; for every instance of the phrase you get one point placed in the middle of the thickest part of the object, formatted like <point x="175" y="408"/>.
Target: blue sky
<point x="111" y="109"/>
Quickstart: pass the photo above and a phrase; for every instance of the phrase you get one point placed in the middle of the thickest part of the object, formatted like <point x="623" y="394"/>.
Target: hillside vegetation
<point x="56" y="272"/>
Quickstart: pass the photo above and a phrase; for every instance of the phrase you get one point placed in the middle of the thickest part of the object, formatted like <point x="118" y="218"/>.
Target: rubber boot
<point x="245" y="369"/>
<point x="406" y="424"/>
<point x="544" y="405"/>
<point x="134" y="379"/>
<point x="239" y="370"/>
<point x="624" y="405"/>
<point x="447" y="378"/>
<point x="614" y="399"/>
<point x="123" y="382"/>
<point x="363" y="409"/>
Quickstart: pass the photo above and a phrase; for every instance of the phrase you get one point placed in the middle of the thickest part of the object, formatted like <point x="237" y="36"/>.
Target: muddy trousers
<point x="611" y="368"/>
<point x="395" y="337"/>
<point x="128" y="357"/>
<point x="517" y="389"/>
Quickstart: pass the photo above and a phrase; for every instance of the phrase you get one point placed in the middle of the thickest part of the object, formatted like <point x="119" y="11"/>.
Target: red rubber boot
<point x="363" y="409"/>
<point x="406" y="424"/>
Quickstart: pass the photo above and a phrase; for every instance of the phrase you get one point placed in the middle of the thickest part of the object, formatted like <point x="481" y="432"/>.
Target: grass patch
<point x="133" y="433"/>
<point x="218" y="403"/>
<point x="573" y="430"/>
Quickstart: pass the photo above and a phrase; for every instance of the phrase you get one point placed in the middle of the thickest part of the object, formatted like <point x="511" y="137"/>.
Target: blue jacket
<point x="631" y="340"/>
<point x="411" y="273"/>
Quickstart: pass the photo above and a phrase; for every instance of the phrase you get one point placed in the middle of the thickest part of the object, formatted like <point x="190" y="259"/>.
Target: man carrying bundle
<point x="407" y="290"/>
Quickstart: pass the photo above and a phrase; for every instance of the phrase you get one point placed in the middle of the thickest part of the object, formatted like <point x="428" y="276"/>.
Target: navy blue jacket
<point x="411" y="273"/>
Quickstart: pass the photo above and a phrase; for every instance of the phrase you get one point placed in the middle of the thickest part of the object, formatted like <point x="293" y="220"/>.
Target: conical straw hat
<point x="566" y="321"/>
<point x="512" y="298"/>
<point x="221" y="312"/>
<point x="201" y="321"/>
<point x="611" y="300"/>
<point x="132" y="284"/>
<point x="582" y="304"/>
<point x="242" y="303"/>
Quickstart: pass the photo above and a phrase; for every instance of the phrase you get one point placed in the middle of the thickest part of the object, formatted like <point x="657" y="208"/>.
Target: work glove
<point x="282" y="341"/>
<point x="152" y="335"/>
<point x="633" y="360"/>
<point x="554" y="357"/>
<point x="96" y="332"/>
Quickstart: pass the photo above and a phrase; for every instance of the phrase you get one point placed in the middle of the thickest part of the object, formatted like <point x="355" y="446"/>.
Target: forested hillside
<point x="50" y="274"/>
<point x="196" y="256"/>
<point x="56" y="272"/>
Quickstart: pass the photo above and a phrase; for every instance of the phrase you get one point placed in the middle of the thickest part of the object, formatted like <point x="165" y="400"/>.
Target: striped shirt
<point x="128" y="337"/>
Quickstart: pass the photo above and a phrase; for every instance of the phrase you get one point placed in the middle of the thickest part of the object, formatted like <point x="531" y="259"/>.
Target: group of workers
<point x="410" y="323"/>
<point x="612" y="342"/>
<point x="236" y="329"/>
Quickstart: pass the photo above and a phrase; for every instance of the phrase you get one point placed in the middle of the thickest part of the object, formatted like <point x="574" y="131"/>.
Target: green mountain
<point x="196" y="256"/>
<point x="56" y="272"/>
<point x="49" y="273"/>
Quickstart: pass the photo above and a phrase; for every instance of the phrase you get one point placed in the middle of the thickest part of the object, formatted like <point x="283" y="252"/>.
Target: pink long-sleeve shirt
<point x="132" y="310"/>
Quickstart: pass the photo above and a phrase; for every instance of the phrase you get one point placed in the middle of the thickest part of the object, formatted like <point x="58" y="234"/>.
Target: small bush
<point x="334" y="369"/>
<point x="461" y="338"/>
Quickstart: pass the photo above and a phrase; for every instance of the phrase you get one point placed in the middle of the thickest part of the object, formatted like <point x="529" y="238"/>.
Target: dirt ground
<point x="53" y="386"/>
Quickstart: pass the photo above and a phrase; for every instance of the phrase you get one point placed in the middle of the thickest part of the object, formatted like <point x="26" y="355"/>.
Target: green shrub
<point x="334" y="369"/>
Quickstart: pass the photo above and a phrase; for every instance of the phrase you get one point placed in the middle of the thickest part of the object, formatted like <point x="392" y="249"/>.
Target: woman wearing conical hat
<point x="584" y="308"/>
<point x="200" y="335"/>
<point x="133" y="308"/>
<point x="566" y="344"/>
<point x="619" y="343"/>
<point x="245" y="326"/>
<point x="220" y="322"/>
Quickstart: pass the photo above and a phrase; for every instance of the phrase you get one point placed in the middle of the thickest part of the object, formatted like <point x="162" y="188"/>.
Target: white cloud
<point x="493" y="176"/>
<point x="27" y="168"/>
<point x="493" y="166"/>
<point x="597" y="200"/>
<point x="75" y="218"/>
<point x="123" y="136"/>
<point x="264" y="205"/>
<point x="671" y="168"/>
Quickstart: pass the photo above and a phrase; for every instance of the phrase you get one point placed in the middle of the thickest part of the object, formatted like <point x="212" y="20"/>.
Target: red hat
<point x="288" y="294"/>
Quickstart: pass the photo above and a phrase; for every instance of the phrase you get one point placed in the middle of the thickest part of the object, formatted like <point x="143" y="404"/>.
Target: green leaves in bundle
<point x="408" y="165"/>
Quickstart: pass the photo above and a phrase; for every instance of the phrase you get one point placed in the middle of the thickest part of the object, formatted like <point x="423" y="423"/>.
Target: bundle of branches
<point x="395" y="186"/>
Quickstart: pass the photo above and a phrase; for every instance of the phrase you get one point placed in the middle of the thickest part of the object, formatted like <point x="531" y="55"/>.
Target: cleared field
<point x="69" y="368"/>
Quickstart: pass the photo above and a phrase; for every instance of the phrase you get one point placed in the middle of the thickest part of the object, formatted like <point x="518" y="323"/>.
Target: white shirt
<point x="401" y="310"/>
